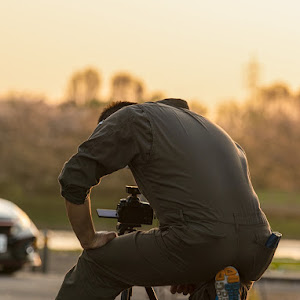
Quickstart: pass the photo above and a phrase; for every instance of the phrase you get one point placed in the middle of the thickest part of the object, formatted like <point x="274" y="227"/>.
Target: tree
<point x="84" y="86"/>
<point x="252" y="77"/>
<point x="156" y="96"/>
<point x="124" y="87"/>
<point x="276" y="92"/>
<point x="269" y="131"/>
<point x="198" y="107"/>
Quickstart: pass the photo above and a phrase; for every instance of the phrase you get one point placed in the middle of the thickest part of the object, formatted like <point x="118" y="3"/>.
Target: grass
<point x="288" y="227"/>
<point x="283" y="211"/>
<point x="285" y="264"/>
<point x="279" y="197"/>
<point x="48" y="210"/>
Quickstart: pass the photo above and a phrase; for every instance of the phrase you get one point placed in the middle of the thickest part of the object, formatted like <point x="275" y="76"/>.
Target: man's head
<point x="112" y="108"/>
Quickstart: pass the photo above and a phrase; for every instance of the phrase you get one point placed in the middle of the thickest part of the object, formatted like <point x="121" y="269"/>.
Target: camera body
<point x="130" y="210"/>
<point x="134" y="211"/>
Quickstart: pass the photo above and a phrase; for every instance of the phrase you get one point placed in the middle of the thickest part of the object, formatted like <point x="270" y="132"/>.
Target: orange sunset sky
<point x="190" y="49"/>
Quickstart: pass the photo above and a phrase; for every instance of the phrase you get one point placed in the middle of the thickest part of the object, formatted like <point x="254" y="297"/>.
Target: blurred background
<point x="235" y="62"/>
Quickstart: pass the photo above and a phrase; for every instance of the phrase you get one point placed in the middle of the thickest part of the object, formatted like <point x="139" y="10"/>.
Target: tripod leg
<point x="126" y="294"/>
<point x="151" y="293"/>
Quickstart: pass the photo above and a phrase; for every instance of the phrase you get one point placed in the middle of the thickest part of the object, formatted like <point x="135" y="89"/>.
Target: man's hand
<point x="183" y="288"/>
<point x="100" y="239"/>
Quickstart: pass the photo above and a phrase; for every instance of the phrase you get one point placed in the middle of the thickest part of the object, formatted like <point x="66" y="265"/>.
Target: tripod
<point x="126" y="294"/>
<point x="131" y="212"/>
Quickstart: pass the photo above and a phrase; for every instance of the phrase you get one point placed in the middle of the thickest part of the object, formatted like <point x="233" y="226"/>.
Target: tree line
<point x="84" y="86"/>
<point x="37" y="137"/>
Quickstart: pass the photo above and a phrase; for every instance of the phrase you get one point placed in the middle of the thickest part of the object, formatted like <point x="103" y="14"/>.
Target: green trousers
<point x="173" y="255"/>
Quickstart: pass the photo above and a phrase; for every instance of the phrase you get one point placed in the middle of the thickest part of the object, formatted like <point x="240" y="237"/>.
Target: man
<point x="196" y="179"/>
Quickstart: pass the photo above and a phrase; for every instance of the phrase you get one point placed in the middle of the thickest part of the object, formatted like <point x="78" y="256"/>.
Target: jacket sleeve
<point x="123" y="138"/>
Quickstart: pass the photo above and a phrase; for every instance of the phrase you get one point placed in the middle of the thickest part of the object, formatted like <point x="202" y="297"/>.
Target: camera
<point x="131" y="210"/>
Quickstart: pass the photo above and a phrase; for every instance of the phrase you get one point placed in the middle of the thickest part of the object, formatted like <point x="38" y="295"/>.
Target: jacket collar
<point x="178" y="103"/>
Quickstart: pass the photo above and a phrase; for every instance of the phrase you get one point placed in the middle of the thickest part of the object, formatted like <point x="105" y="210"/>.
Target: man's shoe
<point x="227" y="284"/>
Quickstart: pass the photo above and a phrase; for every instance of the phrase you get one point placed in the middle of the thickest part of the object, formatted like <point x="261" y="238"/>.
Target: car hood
<point x="22" y="225"/>
<point x="8" y="210"/>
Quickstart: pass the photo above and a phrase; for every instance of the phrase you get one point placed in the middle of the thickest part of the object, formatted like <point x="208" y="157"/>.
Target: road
<point x="33" y="286"/>
<point x="28" y="285"/>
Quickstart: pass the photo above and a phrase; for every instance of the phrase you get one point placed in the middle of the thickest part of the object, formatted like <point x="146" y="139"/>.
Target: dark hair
<point x="112" y="108"/>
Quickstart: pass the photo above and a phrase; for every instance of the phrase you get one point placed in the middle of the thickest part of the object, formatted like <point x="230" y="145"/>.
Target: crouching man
<point x="213" y="239"/>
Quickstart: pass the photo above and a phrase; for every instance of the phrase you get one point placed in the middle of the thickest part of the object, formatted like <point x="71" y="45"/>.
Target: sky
<point x="192" y="49"/>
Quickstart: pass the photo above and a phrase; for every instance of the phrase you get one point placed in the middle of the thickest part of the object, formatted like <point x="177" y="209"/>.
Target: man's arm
<point x="122" y="138"/>
<point x="82" y="223"/>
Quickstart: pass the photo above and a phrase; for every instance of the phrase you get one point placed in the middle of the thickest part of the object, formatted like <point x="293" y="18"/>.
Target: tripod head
<point x="133" y="190"/>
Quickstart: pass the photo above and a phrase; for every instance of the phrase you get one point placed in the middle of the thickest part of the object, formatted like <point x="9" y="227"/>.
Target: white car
<point x="18" y="238"/>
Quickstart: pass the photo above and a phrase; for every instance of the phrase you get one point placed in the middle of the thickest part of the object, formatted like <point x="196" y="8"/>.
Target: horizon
<point x="195" y="51"/>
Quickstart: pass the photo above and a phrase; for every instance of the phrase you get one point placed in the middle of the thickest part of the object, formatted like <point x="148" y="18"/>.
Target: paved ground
<point x="26" y="285"/>
<point x="29" y="286"/>
<point x="276" y="290"/>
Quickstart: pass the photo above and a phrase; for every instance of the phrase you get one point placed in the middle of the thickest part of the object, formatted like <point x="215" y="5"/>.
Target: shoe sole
<point x="227" y="284"/>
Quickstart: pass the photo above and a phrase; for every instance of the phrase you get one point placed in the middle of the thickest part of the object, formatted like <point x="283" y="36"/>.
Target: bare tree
<point x="198" y="107"/>
<point x="124" y="87"/>
<point x="155" y="96"/>
<point x="253" y="70"/>
<point x="139" y="91"/>
<point x="269" y="131"/>
<point x="276" y="92"/>
<point x="84" y="86"/>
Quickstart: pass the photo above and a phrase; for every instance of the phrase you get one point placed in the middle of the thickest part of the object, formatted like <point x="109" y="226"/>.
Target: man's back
<point x="194" y="166"/>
